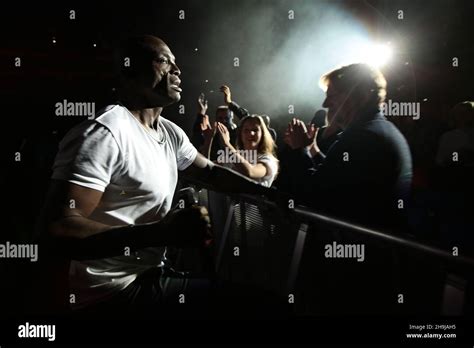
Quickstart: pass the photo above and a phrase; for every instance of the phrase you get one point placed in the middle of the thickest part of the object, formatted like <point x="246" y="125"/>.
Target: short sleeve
<point x="272" y="168"/>
<point x="186" y="152"/>
<point x="88" y="156"/>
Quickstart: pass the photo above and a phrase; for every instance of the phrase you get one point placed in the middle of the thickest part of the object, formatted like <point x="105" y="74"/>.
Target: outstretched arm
<point x="208" y="133"/>
<point x="233" y="106"/>
<point x="242" y="165"/>
<point x="223" y="179"/>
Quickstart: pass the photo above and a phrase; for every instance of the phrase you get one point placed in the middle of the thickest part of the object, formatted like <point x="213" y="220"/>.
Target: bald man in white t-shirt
<point x="113" y="183"/>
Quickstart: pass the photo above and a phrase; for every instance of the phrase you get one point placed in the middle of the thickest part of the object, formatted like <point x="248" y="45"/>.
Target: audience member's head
<point x="253" y="134"/>
<point x="266" y="119"/>
<point x="352" y="91"/>
<point x="462" y="114"/>
<point x="225" y="116"/>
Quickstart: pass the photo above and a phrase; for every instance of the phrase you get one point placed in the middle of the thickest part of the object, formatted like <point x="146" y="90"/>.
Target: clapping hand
<point x="227" y="95"/>
<point x="202" y="103"/>
<point x="207" y="130"/>
<point x="223" y="133"/>
<point x="298" y="136"/>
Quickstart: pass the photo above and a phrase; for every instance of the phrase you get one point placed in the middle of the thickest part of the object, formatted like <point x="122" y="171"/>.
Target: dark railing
<point x="300" y="221"/>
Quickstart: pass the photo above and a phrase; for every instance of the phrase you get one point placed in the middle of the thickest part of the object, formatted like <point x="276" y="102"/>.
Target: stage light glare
<point x="378" y="55"/>
<point x="361" y="50"/>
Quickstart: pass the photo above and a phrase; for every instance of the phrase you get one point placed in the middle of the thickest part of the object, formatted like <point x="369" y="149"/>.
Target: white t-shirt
<point x="137" y="173"/>
<point x="272" y="169"/>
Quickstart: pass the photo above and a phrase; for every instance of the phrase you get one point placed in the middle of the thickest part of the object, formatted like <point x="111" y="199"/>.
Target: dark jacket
<point x="363" y="175"/>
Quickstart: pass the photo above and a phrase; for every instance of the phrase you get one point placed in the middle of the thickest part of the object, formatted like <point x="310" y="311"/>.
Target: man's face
<point x="334" y="102"/>
<point x="339" y="105"/>
<point x="162" y="82"/>
<point x="221" y="116"/>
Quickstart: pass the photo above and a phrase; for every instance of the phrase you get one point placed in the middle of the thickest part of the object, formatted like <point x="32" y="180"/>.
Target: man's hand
<point x="207" y="130"/>
<point x="188" y="227"/>
<point x="202" y="104"/>
<point x="204" y="123"/>
<point x="298" y="136"/>
<point x="223" y="133"/>
<point x="227" y="95"/>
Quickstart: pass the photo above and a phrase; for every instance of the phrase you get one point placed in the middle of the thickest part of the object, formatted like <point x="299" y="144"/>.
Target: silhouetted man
<point x="368" y="169"/>
<point x="364" y="177"/>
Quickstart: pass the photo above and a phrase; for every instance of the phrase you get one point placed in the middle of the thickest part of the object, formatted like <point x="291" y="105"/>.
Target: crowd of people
<point x="248" y="148"/>
<point x="364" y="170"/>
<point x="120" y="172"/>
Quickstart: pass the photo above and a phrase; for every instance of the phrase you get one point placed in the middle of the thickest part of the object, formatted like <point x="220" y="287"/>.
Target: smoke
<point x="281" y="48"/>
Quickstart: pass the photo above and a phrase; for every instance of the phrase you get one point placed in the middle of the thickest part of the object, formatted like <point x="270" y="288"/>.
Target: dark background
<point x="280" y="63"/>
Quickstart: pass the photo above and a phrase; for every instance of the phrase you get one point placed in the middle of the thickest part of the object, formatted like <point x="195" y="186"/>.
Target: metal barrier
<point x="240" y="214"/>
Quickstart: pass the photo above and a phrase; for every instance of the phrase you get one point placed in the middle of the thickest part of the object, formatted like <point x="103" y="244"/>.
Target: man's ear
<point x="362" y="99"/>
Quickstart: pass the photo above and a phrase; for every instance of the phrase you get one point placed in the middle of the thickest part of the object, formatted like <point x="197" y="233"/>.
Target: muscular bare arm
<point x="68" y="207"/>
<point x="223" y="179"/>
<point x="67" y="222"/>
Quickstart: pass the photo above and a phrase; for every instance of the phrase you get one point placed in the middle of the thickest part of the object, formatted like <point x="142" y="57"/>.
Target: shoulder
<point x="110" y="120"/>
<point x="121" y="124"/>
<point x="171" y="127"/>
<point x="271" y="163"/>
<point x="85" y="147"/>
<point x="175" y="133"/>
<point x="104" y="132"/>
<point x="267" y="157"/>
<point x="115" y="117"/>
<point x="269" y="160"/>
<point x="377" y="130"/>
<point x="86" y="131"/>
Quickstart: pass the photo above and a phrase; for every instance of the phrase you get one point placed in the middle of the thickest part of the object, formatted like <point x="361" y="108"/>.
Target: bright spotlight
<point x="378" y="55"/>
<point x="362" y="50"/>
